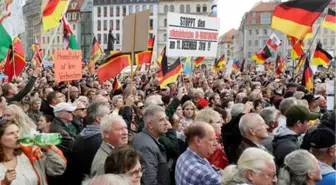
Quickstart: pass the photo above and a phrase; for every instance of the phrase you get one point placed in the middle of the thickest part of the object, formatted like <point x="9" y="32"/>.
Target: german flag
<point x="262" y="55"/>
<point x="300" y="63"/>
<point x="145" y="57"/>
<point x="161" y="59"/>
<point x="279" y="65"/>
<point x="96" y="53"/>
<point x="37" y="57"/>
<point x="52" y="13"/>
<point x="267" y="65"/>
<point x="297" y="47"/>
<point x="113" y="65"/>
<point x="198" y="61"/>
<point x="295" y="18"/>
<point x="235" y="65"/>
<point x="116" y="85"/>
<point x="218" y="64"/>
<point x="330" y="20"/>
<point x="15" y="61"/>
<point x="309" y="34"/>
<point x="221" y="62"/>
<point x="321" y="57"/>
<point x="307" y="78"/>
<point x="170" y="73"/>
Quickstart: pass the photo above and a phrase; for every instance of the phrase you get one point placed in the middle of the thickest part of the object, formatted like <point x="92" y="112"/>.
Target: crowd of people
<point x="206" y="129"/>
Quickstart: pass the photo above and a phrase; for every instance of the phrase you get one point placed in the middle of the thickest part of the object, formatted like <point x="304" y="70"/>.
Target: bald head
<point x="101" y="99"/>
<point x="198" y="129"/>
<point x="253" y="127"/>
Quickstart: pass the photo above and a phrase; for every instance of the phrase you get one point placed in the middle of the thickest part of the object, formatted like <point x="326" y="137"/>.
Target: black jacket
<point x="24" y="91"/>
<point x="46" y="109"/>
<point x="324" y="124"/>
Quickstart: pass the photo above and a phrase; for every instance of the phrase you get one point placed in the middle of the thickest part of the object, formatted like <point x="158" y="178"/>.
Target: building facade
<point x="86" y="35"/>
<point x="108" y="15"/>
<point x="225" y="44"/>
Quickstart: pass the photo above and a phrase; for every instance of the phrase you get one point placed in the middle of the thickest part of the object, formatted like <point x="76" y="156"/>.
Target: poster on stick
<point x="192" y="36"/>
<point x="68" y="65"/>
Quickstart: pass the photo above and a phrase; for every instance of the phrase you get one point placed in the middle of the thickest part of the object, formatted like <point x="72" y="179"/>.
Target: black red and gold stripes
<point x="330" y="20"/>
<point x="321" y="57"/>
<point x="307" y="78"/>
<point x="170" y="73"/>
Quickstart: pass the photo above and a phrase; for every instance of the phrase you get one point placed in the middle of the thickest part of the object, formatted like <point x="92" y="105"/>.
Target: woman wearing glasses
<point x="26" y="165"/>
<point x="125" y="160"/>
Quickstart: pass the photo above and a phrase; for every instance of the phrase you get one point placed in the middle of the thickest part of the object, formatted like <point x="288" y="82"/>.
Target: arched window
<point x="181" y="8"/>
<point x="165" y="37"/>
<point x="188" y="8"/>
<point x="165" y="22"/>
<point x="198" y="8"/>
<point x="172" y="8"/>
<point x="205" y="8"/>
<point x="165" y="8"/>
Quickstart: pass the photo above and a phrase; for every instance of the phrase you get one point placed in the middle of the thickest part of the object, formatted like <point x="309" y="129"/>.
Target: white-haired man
<point x="114" y="132"/>
<point x="270" y="116"/>
<point x="254" y="130"/>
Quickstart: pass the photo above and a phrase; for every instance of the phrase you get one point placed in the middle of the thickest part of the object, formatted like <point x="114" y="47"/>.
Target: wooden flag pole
<point x="133" y="48"/>
<point x="69" y="91"/>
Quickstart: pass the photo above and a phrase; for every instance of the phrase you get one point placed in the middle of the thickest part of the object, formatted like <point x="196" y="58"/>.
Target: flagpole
<point x="55" y="32"/>
<point x="133" y="48"/>
<point x="13" y="59"/>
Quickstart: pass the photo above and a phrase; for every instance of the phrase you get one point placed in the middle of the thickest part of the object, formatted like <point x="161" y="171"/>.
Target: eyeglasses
<point x="161" y="105"/>
<point x="271" y="175"/>
<point x="136" y="172"/>
<point x="81" y="109"/>
<point x="105" y="94"/>
<point x="141" y="107"/>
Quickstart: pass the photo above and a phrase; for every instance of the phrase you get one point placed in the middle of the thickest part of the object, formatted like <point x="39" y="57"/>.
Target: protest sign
<point x="191" y="36"/>
<point x="68" y="65"/>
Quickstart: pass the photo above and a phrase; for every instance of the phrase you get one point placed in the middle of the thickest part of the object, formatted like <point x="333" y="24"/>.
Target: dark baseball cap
<point x="310" y="98"/>
<point x="322" y="138"/>
<point x="300" y="112"/>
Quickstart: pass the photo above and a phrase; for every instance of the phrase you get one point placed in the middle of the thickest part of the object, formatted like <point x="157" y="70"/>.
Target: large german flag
<point x="300" y="63"/>
<point x="321" y="57"/>
<point x="307" y="78"/>
<point x="330" y="20"/>
<point x="295" y="18"/>
<point x="113" y="65"/>
<point x="262" y="55"/>
<point x="170" y="73"/>
<point x="96" y="53"/>
<point x="52" y="13"/>
<point x="297" y="47"/>
<point x="145" y="57"/>
<point x="198" y="61"/>
<point x="15" y="61"/>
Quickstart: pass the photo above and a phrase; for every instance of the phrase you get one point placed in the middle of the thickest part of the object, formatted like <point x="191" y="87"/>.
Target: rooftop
<point x="227" y="37"/>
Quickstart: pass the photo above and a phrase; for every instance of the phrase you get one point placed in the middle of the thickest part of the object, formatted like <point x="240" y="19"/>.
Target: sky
<point x="230" y="12"/>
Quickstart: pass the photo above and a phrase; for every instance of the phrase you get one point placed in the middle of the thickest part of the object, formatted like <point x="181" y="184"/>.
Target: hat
<point x="64" y="107"/>
<point x="310" y="97"/>
<point x="300" y="112"/>
<point x="202" y="103"/>
<point x="322" y="138"/>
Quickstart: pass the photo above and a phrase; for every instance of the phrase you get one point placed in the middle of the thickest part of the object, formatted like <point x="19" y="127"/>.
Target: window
<point x="111" y="24"/>
<point x="265" y="18"/>
<point x="205" y="9"/>
<point x="254" y="14"/>
<point x="124" y="10"/>
<point x="264" y="42"/>
<point x="256" y="43"/>
<point x="130" y="9"/>
<point x="105" y="38"/>
<point x="265" y="31"/>
<point x="48" y="40"/>
<point x="164" y="37"/>
<point x="151" y="24"/>
<point x="118" y="10"/>
<point x="188" y="8"/>
<point x="325" y="42"/>
<point x="118" y="38"/>
<point x="111" y="11"/>
<point x="73" y="27"/>
<point x="98" y="25"/>
<point x="165" y="8"/>
<point x="249" y="43"/>
<point x="325" y="30"/>
<point x="43" y="41"/>
<point x="144" y="7"/>
<point x="165" y="22"/>
<point x="228" y="52"/>
<point x="118" y="24"/>
<point x="253" y="21"/>
<point x="198" y="8"/>
<point x="98" y="11"/>
<point x="137" y="8"/>
<point x="105" y="25"/>
<point x="99" y="38"/>
<point x="332" y="41"/>
<point x="181" y="8"/>
<point x="249" y="55"/>
<point x="105" y="11"/>
<point x="172" y="8"/>
<point x="68" y="16"/>
<point x="58" y="39"/>
<point x="250" y="32"/>
<point x="257" y="32"/>
<point x="151" y="8"/>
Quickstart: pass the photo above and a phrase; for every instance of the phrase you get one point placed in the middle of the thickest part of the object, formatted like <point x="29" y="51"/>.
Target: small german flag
<point x="116" y="85"/>
<point x="321" y="57"/>
<point x="221" y="62"/>
<point x="242" y="66"/>
<point x="161" y="59"/>
<point x="170" y="73"/>
<point x="307" y="78"/>
<point x="295" y="18"/>
<point x="297" y="47"/>
<point x="279" y="65"/>
<point x="264" y="54"/>
<point x="235" y="64"/>
<point x="145" y="57"/>
<point x="300" y="63"/>
<point x="96" y="53"/>
<point x="113" y="65"/>
<point x="198" y="61"/>
<point x="330" y="20"/>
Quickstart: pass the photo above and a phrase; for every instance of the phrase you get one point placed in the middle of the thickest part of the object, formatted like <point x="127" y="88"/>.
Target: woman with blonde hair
<point x="25" y="123"/>
<point x="189" y="113"/>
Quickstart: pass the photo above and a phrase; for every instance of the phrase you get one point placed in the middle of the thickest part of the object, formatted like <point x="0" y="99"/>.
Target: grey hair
<point x="286" y="103"/>
<point x="153" y="100"/>
<point x="108" y="179"/>
<point x="107" y="121"/>
<point x="251" y="159"/>
<point x="94" y="110"/>
<point x="298" y="95"/>
<point x="320" y="88"/>
<point x="240" y="97"/>
<point x="237" y="109"/>
<point x="83" y="99"/>
<point x="297" y="165"/>
<point x="116" y="98"/>
<point x="269" y="115"/>
<point x="150" y="112"/>
<point x="207" y="115"/>
<point x="249" y="120"/>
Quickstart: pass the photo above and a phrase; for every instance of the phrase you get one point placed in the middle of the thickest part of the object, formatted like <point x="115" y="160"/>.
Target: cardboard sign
<point x="191" y="36"/>
<point x="141" y="23"/>
<point x="68" y="65"/>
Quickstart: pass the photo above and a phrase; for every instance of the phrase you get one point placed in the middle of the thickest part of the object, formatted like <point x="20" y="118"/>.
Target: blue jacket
<point x="328" y="174"/>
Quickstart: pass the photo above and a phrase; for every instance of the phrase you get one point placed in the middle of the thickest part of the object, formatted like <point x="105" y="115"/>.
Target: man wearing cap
<point x="312" y="102"/>
<point x="62" y="124"/>
<point x="322" y="143"/>
<point x="286" y="139"/>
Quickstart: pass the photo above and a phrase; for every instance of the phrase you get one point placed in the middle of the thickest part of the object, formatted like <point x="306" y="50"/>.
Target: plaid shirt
<point x="191" y="169"/>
